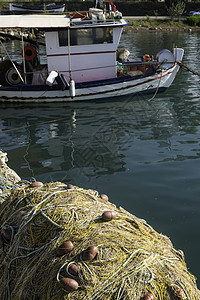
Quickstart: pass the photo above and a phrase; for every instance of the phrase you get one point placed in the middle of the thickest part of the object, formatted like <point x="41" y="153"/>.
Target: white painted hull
<point x="150" y="84"/>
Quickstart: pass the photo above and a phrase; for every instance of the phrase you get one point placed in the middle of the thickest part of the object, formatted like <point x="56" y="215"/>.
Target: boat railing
<point x="140" y="63"/>
<point x="89" y="22"/>
<point x="138" y="68"/>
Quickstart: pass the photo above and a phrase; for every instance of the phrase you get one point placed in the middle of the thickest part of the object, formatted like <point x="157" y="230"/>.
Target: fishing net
<point x="63" y="242"/>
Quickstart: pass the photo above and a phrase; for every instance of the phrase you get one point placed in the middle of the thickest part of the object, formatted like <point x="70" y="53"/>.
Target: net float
<point x="109" y="215"/>
<point x="69" y="284"/>
<point x="73" y="269"/>
<point x="104" y="197"/>
<point x="64" y="248"/>
<point x="36" y="184"/>
<point x="178" y="291"/>
<point x="90" y="253"/>
<point x="148" y="296"/>
<point x="70" y="186"/>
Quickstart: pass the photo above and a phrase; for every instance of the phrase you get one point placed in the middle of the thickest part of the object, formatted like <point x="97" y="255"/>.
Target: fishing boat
<point x="83" y="61"/>
<point x="27" y="8"/>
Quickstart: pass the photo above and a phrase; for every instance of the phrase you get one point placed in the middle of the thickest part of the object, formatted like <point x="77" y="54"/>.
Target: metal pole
<point x="24" y="63"/>
<point x="69" y="58"/>
<point x="20" y="76"/>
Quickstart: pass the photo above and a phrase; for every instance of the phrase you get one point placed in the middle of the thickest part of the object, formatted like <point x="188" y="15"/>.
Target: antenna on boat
<point x="20" y="76"/>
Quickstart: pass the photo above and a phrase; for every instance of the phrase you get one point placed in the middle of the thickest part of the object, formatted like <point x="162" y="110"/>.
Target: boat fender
<point x="30" y="52"/>
<point x="51" y="78"/>
<point x="72" y="90"/>
<point x="62" y="82"/>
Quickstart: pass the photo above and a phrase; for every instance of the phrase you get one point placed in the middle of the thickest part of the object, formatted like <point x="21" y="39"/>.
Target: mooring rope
<point x="187" y="68"/>
<point x="156" y="91"/>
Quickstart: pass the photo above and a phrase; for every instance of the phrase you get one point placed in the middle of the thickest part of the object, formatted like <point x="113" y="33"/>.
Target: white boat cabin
<point x="85" y="51"/>
<point x="81" y="48"/>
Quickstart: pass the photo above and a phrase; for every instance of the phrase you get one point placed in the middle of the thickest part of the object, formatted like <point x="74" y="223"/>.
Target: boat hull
<point x="123" y="86"/>
<point x="32" y="9"/>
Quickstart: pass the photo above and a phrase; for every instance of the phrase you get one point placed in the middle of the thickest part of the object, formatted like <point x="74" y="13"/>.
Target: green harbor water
<point x="145" y="155"/>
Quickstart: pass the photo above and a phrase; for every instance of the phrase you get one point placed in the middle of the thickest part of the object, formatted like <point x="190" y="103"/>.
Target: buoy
<point x="69" y="284"/>
<point x="148" y="296"/>
<point x="64" y="248"/>
<point x="73" y="270"/>
<point x="36" y="184"/>
<point x="108" y="215"/>
<point x="178" y="291"/>
<point x="90" y="253"/>
<point x="72" y="90"/>
<point x="30" y="52"/>
<point x="104" y="197"/>
<point x="70" y="186"/>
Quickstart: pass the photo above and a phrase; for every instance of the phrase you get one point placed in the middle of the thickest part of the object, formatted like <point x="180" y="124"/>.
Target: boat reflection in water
<point x="89" y="139"/>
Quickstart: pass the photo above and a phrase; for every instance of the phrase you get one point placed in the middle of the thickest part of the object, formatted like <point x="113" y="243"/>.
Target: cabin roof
<point x="34" y="21"/>
<point x="52" y="22"/>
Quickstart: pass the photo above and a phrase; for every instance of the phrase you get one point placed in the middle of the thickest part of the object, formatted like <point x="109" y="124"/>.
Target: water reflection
<point x="92" y="137"/>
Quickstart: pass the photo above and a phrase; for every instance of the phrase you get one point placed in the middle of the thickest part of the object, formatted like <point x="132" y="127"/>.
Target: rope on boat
<point x="187" y="68"/>
<point x="154" y="95"/>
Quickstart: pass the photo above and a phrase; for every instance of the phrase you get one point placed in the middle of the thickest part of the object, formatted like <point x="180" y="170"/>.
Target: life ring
<point x="30" y="52"/>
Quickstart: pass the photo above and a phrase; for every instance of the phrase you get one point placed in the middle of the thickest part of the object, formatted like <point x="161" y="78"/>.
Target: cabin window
<point x="86" y="36"/>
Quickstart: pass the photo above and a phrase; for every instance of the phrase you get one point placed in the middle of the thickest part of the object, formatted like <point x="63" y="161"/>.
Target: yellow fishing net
<point x="65" y="242"/>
